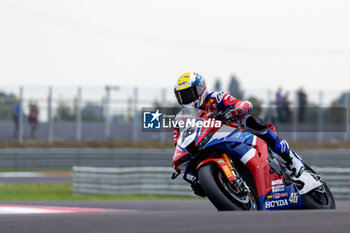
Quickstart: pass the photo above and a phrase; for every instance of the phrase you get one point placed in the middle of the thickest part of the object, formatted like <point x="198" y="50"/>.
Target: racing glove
<point x="234" y="114"/>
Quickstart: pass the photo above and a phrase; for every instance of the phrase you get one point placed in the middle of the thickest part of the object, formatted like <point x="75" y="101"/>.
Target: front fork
<point x="238" y="183"/>
<point x="230" y="172"/>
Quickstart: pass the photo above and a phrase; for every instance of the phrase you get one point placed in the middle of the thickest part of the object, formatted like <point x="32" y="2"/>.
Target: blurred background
<point x="76" y="74"/>
<point x="97" y="113"/>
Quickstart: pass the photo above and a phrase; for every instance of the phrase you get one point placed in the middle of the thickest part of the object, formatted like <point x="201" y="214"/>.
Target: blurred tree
<point x="156" y="104"/>
<point x="217" y="86"/>
<point x="64" y="112"/>
<point x="234" y="88"/>
<point x="342" y="99"/>
<point x="92" y="112"/>
<point x="7" y="101"/>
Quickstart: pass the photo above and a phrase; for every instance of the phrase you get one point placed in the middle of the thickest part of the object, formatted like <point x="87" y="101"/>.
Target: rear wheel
<point x="318" y="198"/>
<point x="221" y="192"/>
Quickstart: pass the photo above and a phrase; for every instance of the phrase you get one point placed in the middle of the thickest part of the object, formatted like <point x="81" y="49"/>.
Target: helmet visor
<point x="188" y="95"/>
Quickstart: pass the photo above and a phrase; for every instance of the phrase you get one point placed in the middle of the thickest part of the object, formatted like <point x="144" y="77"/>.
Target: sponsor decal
<point x="277" y="203"/>
<point x="269" y="197"/>
<point x="284" y="194"/>
<point x="277" y="182"/>
<point x="279" y="188"/>
<point x="276" y="196"/>
<point x="293" y="198"/>
<point x="284" y="146"/>
<point x="219" y="96"/>
<point x="178" y="153"/>
<point x="221" y="161"/>
<point x="227" y="171"/>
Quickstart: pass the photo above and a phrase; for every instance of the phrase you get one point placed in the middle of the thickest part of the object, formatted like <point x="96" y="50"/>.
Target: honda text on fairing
<point x="237" y="171"/>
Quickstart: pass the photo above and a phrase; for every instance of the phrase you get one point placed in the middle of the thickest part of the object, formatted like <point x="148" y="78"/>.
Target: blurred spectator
<point x="279" y="104"/>
<point x="33" y="119"/>
<point x="285" y="108"/>
<point x="15" y="116"/>
<point x="302" y="104"/>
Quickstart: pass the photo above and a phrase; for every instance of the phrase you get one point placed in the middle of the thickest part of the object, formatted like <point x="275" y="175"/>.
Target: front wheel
<point x="220" y="191"/>
<point x="318" y="198"/>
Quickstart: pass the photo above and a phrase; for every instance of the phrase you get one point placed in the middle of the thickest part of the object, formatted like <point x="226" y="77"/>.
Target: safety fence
<point x="114" y="112"/>
<point x="333" y="165"/>
<point x="59" y="158"/>
<point x="131" y="180"/>
<point x="156" y="180"/>
<point x="338" y="180"/>
<point x="56" y="159"/>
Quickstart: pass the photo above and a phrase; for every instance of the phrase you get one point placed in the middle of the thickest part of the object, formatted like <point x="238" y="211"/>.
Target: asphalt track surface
<point x="36" y="179"/>
<point x="174" y="216"/>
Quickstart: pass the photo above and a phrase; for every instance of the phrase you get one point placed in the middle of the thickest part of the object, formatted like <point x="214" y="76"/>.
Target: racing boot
<point x="294" y="162"/>
<point x="267" y="132"/>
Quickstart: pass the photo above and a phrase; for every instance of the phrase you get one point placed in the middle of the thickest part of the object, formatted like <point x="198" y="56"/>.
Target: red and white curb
<point x="23" y="209"/>
<point x="34" y="174"/>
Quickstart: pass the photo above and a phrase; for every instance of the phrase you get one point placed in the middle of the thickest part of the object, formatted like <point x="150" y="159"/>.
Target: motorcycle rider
<point x="191" y="91"/>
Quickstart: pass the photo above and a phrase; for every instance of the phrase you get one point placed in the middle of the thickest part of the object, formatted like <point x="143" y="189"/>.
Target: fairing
<point x="252" y="151"/>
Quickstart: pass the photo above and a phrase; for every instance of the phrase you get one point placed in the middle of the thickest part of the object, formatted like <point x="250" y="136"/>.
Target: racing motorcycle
<point x="237" y="171"/>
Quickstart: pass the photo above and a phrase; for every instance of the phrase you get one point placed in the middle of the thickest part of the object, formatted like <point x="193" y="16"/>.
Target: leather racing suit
<point x="218" y="101"/>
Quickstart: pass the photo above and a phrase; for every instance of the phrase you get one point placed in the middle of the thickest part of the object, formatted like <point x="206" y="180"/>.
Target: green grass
<point x="63" y="192"/>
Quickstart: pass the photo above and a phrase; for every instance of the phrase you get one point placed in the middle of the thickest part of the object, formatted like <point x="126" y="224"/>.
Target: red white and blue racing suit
<point x="218" y="101"/>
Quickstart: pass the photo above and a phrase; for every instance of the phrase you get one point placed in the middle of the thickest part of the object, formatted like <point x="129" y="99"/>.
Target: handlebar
<point x="221" y="115"/>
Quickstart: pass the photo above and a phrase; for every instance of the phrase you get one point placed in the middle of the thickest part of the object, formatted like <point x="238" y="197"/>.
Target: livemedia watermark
<point x="306" y="120"/>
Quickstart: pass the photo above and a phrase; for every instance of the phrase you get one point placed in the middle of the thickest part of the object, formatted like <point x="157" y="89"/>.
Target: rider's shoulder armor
<point x="218" y="95"/>
<point x="222" y="99"/>
<point x="215" y="101"/>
